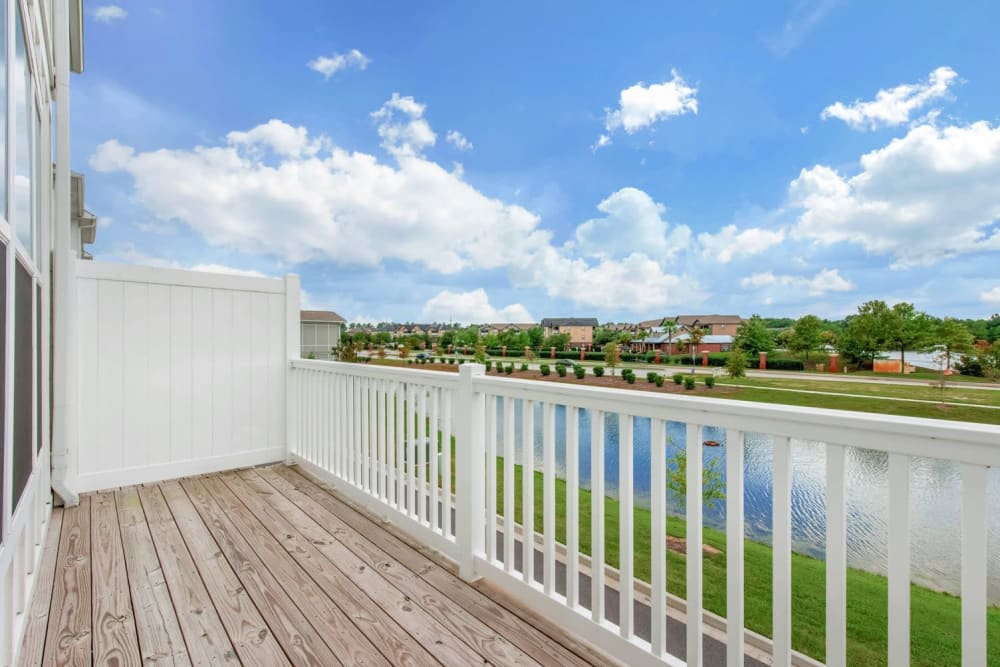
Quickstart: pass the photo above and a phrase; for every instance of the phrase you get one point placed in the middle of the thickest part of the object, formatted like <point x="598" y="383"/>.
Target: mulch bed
<point x="614" y="382"/>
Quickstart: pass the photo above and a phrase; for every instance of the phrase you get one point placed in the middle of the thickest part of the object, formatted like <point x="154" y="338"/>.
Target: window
<point x="3" y="111"/>
<point x="22" y="214"/>
<point x="24" y="381"/>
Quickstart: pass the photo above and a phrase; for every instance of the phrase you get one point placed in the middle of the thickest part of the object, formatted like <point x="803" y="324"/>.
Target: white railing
<point x="381" y="436"/>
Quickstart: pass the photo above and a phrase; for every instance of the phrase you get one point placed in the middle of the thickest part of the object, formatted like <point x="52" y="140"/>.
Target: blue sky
<point x="475" y="162"/>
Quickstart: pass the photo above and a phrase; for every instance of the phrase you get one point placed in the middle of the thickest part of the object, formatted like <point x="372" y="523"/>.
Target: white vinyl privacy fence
<point x="179" y="372"/>
<point x="384" y="437"/>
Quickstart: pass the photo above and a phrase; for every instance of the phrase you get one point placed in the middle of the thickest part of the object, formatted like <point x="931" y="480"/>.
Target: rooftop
<point x="321" y="316"/>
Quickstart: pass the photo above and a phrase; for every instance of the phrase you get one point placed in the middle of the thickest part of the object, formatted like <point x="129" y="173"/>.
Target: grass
<point x="836" y="396"/>
<point x="935" y="617"/>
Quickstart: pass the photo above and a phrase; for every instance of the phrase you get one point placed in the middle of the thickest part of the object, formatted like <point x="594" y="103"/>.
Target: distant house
<point x="580" y="329"/>
<point x="678" y="342"/>
<point x="502" y="327"/>
<point x="320" y="332"/>
<point x="648" y="325"/>
<point x="717" y="325"/>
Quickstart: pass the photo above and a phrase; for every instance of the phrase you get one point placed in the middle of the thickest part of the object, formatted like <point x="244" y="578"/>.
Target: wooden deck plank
<point x="115" y="638"/>
<point x="320" y="554"/>
<point x="33" y="643"/>
<point x="547" y="647"/>
<point x="253" y="640"/>
<point x="294" y="632"/>
<point x="331" y="623"/>
<point x="160" y="637"/>
<point x="165" y="635"/>
<point x="67" y="641"/>
<point x="342" y="545"/>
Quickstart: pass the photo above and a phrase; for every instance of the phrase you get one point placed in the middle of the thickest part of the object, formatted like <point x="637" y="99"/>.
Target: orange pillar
<point x="503" y="351"/>
<point x="704" y="357"/>
<point x="657" y="359"/>
<point x="552" y="353"/>
<point x="834" y="362"/>
<point x="763" y="361"/>
<point x="583" y="354"/>
<point x="527" y="351"/>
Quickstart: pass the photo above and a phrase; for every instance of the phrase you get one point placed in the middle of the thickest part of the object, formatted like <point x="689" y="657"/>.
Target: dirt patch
<point x="679" y="545"/>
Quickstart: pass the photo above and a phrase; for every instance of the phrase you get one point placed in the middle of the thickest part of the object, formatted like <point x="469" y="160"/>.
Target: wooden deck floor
<point x="263" y="567"/>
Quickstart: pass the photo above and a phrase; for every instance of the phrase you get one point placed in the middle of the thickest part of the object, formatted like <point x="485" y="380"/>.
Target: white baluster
<point x="549" y="493"/>
<point x="658" y="537"/>
<point x="899" y="560"/>
<point x="694" y="538"/>
<point x="974" y="582"/>
<point x="836" y="556"/>
<point x="597" y="516"/>
<point x="572" y="506"/>
<point x="626" y="535"/>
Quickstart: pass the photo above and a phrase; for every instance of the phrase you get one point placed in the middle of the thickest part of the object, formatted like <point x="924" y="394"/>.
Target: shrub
<point x="659" y="380"/>
<point x="689" y="382"/>
<point x="544" y="369"/>
<point x="579" y="372"/>
<point x="737" y="365"/>
<point x="409" y="361"/>
<point x="598" y="371"/>
<point x="678" y="378"/>
<point x="489" y="364"/>
<point x="561" y="370"/>
<point x="630" y="378"/>
<point x="709" y="381"/>
<point x="509" y="369"/>
<point x="651" y="377"/>
<point x="524" y="367"/>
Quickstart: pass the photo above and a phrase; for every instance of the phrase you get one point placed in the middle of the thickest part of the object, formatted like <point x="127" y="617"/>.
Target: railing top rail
<point x="433" y="378"/>
<point x="959" y="441"/>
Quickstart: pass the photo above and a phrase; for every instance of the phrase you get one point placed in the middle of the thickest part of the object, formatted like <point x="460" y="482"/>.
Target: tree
<point x="558" y="341"/>
<point x="669" y="327"/>
<point x="696" y="335"/>
<point x="909" y="329"/>
<point x="404" y="351"/>
<point x="806" y="335"/>
<point x="480" y="354"/>
<point x="603" y="336"/>
<point x="348" y="351"/>
<point x="866" y="333"/>
<point x="955" y="338"/>
<point x="993" y="328"/>
<point x="712" y="487"/>
<point x="612" y="356"/>
<point x="535" y="336"/>
<point x="736" y="364"/>
<point x="753" y="336"/>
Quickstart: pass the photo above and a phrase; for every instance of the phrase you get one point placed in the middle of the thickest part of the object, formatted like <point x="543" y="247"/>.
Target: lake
<point x="935" y="496"/>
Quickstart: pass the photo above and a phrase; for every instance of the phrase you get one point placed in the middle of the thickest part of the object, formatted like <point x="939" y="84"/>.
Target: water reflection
<point x="935" y="496"/>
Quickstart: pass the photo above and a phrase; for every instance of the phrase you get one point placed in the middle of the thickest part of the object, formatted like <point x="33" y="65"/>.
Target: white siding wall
<point x="180" y="373"/>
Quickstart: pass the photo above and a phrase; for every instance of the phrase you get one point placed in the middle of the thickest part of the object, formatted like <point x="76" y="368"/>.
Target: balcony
<point x="262" y="566"/>
<point x="327" y="512"/>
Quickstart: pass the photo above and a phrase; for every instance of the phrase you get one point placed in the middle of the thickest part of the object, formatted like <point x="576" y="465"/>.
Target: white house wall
<point x="180" y="372"/>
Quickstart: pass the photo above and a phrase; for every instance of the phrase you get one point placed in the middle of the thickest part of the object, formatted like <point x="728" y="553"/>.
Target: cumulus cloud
<point x="456" y="139"/>
<point x="990" y="296"/>
<point x="109" y="13"/>
<point x="280" y="137"/>
<point x="640" y="106"/>
<point x="402" y="126"/>
<point x="632" y="220"/>
<point x="893" y="106"/>
<point x="827" y="280"/>
<point x="729" y="243"/>
<point x="472" y="307"/>
<point x="330" y="65"/>
<point x="925" y="197"/>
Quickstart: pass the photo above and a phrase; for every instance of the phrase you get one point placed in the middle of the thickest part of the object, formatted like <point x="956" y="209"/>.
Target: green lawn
<point x="757" y="389"/>
<point x="935" y="617"/>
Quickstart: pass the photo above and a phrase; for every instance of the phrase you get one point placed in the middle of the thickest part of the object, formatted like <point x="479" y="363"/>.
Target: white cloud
<point x="456" y="139"/>
<point x="990" y="296"/>
<point x="330" y="65"/>
<point x="109" y="13"/>
<point x="925" y="197"/>
<point x="827" y="280"/>
<point x="472" y="307"/>
<point x="129" y="254"/>
<point x="895" y="105"/>
<point x="280" y="137"/>
<point x="348" y="208"/>
<point x="728" y="243"/>
<point x="228" y="270"/>
<point x="632" y="220"/>
<point x="602" y="141"/>
<point x="640" y="106"/>
<point x="104" y="221"/>
<point x="401" y="125"/>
